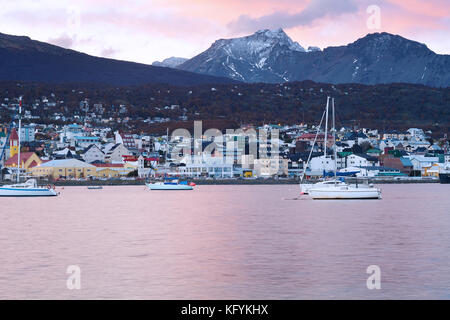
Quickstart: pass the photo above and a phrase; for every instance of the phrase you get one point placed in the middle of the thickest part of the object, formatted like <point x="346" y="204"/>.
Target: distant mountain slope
<point x="28" y="60"/>
<point x="171" y="62"/>
<point x="271" y="56"/>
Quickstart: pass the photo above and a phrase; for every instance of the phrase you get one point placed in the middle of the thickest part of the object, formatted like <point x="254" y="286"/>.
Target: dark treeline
<point x="385" y="106"/>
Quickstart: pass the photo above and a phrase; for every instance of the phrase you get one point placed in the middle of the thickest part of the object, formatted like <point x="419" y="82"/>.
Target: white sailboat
<point x="30" y="188"/>
<point x="336" y="189"/>
<point x="27" y="189"/>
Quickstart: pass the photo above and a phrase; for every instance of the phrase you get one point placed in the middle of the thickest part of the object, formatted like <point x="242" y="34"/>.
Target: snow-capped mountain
<point x="171" y="62"/>
<point x="249" y="58"/>
<point x="271" y="56"/>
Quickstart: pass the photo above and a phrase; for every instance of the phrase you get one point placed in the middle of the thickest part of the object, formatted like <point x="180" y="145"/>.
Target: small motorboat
<point x="28" y="189"/>
<point x="95" y="187"/>
<point x="171" y="184"/>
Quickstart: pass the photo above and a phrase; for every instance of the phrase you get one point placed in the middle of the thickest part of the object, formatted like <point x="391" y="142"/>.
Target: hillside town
<point x="91" y="150"/>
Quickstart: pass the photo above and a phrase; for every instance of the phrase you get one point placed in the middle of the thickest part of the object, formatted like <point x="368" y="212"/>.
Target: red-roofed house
<point x="108" y="165"/>
<point x="309" y="137"/>
<point x="28" y="160"/>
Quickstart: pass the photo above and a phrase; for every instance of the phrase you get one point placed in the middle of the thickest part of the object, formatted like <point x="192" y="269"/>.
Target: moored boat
<point x="336" y="189"/>
<point x="305" y="188"/>
<point x="27" y="189"/>
<point x="345" y="191"/>
<point x="171" y="184"/>
<point x="30" y="188"/>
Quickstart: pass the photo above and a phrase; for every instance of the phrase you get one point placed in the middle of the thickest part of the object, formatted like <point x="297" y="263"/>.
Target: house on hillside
<point x="84" y="142"/>
<point x="321" y="163"/>
<point x="402" y="164"/>
<point x="116" y="153"/>
<point x="92" y="154"/>
<point x="66" y="153"/>
<point x="359" y="160"/>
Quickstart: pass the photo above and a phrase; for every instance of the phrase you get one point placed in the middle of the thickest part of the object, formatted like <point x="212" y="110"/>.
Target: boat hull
<point x="37" y="192"/>
<point x="444" y="178"/>
<point x="347" y="194"/>
<point x="161" y="186"/>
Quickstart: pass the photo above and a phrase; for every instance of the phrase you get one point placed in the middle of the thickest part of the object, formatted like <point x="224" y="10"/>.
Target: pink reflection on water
<point x="225" y="242"/>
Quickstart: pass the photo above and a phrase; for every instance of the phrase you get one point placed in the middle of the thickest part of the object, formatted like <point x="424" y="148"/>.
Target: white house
<point x="447" y="158"/>
<point x="116" y="153"/>
<point x="318" y="164"/>
<point x="360" y="160"/>
<point x="420" y="162"/>
<point x="84" y="141"/>
<point x="206" y="165"/>
<point x="269" y="167"/>
<point x="92" y="154"/>
<point x="145" y="166"/>
<point x="27" y="133"/>
<point x="416" y="133"/>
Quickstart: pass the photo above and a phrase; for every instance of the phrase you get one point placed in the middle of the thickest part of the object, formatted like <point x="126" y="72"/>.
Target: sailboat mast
<point x="334" y="141"/>
<point x="326" y="136"/>
<point x="167" y="147"/>
<point x="20" y="129"/>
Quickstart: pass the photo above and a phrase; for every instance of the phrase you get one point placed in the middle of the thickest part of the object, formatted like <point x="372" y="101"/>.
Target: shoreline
<point x="225" y="182"/>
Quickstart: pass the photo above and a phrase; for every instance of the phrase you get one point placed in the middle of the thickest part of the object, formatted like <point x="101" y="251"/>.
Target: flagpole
<point x="20" y="129"/>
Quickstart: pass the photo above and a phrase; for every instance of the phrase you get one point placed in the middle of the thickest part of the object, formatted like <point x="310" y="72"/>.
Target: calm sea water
<point x="226" y="242"/>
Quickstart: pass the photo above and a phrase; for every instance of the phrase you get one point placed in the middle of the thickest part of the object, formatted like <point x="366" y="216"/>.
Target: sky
<point x="148" y="30"/>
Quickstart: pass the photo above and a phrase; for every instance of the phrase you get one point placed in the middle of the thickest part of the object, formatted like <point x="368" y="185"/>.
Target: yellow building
<point x="13" y="143"/>
<point x="67" y="168"/>
<point x="431" y="171"/>
<point x="111" y="170"/>
<point x="73" y="168"/>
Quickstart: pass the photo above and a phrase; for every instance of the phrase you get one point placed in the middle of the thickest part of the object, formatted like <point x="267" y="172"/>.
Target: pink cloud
<point x="153" y="30"/>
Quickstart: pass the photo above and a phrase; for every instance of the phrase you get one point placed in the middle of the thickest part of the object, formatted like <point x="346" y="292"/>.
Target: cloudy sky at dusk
<point x="145" y="31"/>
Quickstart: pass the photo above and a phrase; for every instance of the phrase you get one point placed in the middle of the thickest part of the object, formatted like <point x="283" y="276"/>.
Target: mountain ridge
<point x="171" y="62"/>
<point x="374" y="59"/>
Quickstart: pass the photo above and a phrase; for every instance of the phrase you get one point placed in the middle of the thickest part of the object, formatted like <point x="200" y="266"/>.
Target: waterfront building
<point x="66" y="169"/>
<point x="422" y="163"/>
<point x="206" y="166"/>
<point x="113" y="170"/>
<point x="270" y="167"/>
